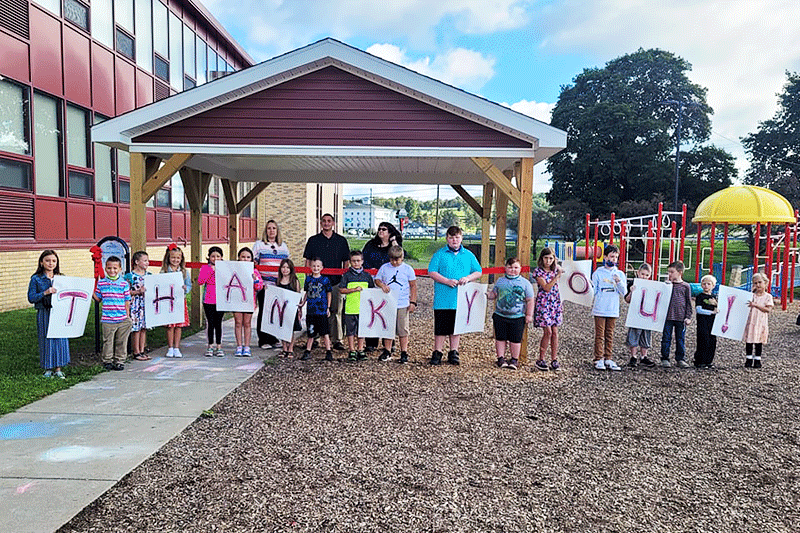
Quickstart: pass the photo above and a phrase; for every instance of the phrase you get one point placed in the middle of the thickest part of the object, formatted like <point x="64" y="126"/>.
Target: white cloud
<point x="538" y="110"/>
<point x="466" y="69"/>
<point x="739" y="49"/>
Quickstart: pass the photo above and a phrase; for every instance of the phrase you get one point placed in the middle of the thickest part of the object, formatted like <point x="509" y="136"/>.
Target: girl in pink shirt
<point x="214" y="317"/>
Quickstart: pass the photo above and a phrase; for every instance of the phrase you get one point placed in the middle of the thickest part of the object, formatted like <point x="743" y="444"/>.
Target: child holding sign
<point x="756" y="331"/>
<point x="135" y="279"/>
<point x="548" y="311"/>
<point x="608" y="287"/>
<point x="53" y="353"/>
<point x="351" y="284"/>
<point x="638" y="340"/>
<point x="241" y="320"/>
<point x="707" y="307"/>
<point x="318" y="295"/>
<point x="679" y="315"/>
<point x="174" y="261"/>
<point x="207" y="278"/>
<point x="397" y="276"/>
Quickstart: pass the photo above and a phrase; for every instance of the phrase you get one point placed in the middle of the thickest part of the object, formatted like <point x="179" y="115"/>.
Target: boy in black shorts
<point x="318" y="295"/>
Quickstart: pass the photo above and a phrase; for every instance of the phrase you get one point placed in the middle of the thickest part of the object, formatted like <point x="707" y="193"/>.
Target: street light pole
<point x="681" y="107"/>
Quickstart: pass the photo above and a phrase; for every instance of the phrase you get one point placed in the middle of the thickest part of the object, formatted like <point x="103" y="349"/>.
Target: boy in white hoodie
<point x="609" y="285"/>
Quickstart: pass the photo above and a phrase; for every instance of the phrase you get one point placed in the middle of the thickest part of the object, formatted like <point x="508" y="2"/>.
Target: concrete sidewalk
<point x="59" y="454"/>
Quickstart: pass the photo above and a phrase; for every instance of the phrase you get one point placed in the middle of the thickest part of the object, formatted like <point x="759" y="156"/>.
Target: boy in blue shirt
<point x="450" y="267"/>
<point x="318" y="295"/>
<point x="115" y="294"/>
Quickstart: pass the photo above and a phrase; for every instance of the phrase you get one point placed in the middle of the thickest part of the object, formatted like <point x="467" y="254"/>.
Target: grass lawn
<point x="21" y="380"/>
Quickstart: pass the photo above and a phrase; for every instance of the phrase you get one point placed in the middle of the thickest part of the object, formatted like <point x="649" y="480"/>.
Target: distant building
<point x="361" y="217"/>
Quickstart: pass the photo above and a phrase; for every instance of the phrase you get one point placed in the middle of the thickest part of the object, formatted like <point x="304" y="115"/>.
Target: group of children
<point x="608" y="283"/>
<point x="516" y="306"/>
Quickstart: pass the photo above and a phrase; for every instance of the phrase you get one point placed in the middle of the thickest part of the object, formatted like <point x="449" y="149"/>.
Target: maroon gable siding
<point x="335" y="108"/>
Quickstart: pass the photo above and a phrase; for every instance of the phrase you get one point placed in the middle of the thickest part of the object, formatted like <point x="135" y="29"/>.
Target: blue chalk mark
<point x="27" y="430"/>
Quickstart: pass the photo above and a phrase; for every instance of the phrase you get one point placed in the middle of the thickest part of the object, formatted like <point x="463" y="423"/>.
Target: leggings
<point x="748" y="348"/>
<point x="214" y="318"/>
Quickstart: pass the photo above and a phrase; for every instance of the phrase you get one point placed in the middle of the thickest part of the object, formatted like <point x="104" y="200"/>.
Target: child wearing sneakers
<point x="608" y="287"/>
<point x="512" y="311"/>
<point x="706" y="306"/>
<point x="398" y="277"/>
<point x="548" y="311"/>
<point x="638" y="340"/>
<point x="450" y="267"/>
<point x="352" y="283"/>
<point x="756" y="332"/>
<point x="679" y="315"/>
<point x="115" y="294"/>
<point x="318" y="295"/>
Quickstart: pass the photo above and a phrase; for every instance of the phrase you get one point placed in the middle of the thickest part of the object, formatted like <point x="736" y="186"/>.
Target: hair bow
<point x="172" y="246"/>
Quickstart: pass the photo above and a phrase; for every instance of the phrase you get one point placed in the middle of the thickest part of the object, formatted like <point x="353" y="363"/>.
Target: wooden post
<point x="230" y="189"/>
<point x="195" y="185"/>
<point x="137" y="212"/>
<point x="525" y="180"/>
<point x="486" y="228"/>
<point x="501" y="210"/>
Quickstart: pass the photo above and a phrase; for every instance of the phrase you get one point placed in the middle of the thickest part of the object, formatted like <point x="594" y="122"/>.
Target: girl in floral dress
<point x="135" y="279"/>
<point x="547" y="313"/>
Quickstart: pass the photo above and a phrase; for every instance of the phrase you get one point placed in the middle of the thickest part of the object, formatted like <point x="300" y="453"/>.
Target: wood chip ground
<point x="340" y="447"/>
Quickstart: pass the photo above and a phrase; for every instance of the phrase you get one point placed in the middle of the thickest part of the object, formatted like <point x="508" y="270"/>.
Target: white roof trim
<point x="122" y="129"/>
<point x="330" y="151"/>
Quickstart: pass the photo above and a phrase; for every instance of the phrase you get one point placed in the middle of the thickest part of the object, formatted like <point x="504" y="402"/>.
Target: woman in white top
<point x="269" y="251"/>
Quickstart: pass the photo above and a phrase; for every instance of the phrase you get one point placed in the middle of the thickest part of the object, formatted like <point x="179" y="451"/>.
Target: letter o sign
<point x="578" y="287"/>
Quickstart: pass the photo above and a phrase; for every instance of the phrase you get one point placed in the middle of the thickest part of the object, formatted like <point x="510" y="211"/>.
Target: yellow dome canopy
<point x="746" y="204"/>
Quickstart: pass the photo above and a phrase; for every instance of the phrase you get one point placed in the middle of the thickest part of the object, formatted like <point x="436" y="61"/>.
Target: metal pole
<point x="436" y="230"/>
<point x="678" y="152"/>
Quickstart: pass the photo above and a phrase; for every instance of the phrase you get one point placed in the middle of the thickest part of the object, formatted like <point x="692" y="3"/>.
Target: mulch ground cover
<point x="316" y="446"/>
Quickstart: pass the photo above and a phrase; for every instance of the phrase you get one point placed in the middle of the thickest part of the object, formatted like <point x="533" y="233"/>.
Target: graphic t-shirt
<point x="511" y="294"/>
<point x="398" y="278"/>
<point x="350" y="280"/>
<point x="317" y="290"/>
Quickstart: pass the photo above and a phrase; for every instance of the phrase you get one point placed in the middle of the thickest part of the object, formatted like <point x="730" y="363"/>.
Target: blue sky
<point x="520" y="52"/>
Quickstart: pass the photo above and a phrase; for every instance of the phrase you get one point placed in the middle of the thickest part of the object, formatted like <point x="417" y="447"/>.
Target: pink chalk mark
<point x="22" y="488"/>
<point x="731" y="299"/>
<point x="376" y="312"/>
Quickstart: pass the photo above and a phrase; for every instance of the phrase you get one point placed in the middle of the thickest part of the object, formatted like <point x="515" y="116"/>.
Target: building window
<point x="78" y="137"/>
<point x="15" y="174"/>
<point x="123" y="163"/>
<point x="188" y="52"/>
<point x="80" y="184"/>
<point x="53" y="6"/>
<point x="160" y="33"/>
<point x="125" y="44"/>
<point x="103" y="173"/>
<point x="200" y="54"/>
<point x="47" y="146"/>
<point x="144" y="35"/>
<point x="14" y="127"/>
<point x="161" y="68"/>
<point x="178" y="196"/>
<point x="77" y="13"/>
<point x="102" y="22"/>
<point x="123" y="14"/>
<point x="163" y="198"/>
<point x="211" y="205"/>
<point x="188" y="83"/>
<point x="124" y="192"/>
<point x="175" y="52"/>
<point x="213" y="73"/>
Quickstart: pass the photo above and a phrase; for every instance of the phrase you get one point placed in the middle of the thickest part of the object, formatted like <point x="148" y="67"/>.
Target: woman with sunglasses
<point x="269" y="251"/>
<point x="376" y="254"/>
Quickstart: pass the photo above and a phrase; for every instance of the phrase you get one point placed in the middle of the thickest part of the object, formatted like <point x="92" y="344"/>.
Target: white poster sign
<point x="733" y="310"/>
<point x="280" y="310"/>
<point x="163" y="299"/>
<point x="575" y="283"/>
<point x="377" y="314"/>
<point x="649" y="304"/>
<point x="471" y="308"/>
<point x="71" y="304"/>
<point x="234" y="282"/>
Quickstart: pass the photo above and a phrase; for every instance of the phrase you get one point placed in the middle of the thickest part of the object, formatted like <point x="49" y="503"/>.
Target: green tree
<point x="774" y="149"/>
<point x="620" y="131"/>
<point x="449" y="217"/>
<point x="704" y="170"/>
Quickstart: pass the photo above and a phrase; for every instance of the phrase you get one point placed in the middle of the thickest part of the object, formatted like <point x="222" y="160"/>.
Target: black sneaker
<point x="352" y="356"/>
<point x="306" y="355"/>
<point x="369" y="349"/>
<point x="452" y="357"/>
<point x="108" y="366"/>
<point x="385" y="355"/>
<point x="748" y="363"/>
<point x="501" y="362"/>
<point x="436" y="357"/>
<point x="633" y="363"/>
<point x="645" y="361"/>
<point x="328" y="355"/>
<point x="361" y="355"/>
<point x="338" y="346"/>
<point x="403" y="358"/>
<point x="120" y="366"/>
<point x="757" y="363"/>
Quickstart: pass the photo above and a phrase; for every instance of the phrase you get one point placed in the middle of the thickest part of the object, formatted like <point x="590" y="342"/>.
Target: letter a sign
<point x="649" y="304"/>
<point x="234" y="284"/>
<point x="280" y="309"/>
<point x="471" y="308"/>
<point x="377" y="314"/>
<point x="163" y="299"/>
<point x="71" y="304"/>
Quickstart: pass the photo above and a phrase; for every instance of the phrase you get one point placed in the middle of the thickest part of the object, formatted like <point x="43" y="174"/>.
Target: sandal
<point x="141" y="357"/>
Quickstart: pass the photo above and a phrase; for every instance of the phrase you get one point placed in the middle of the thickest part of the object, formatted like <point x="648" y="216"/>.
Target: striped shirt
<point x="114" y="294"/>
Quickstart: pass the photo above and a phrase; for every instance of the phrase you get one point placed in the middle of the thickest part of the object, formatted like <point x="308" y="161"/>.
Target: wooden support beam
<point x="525" y="179"/>
<point x="501" y="218"/>
<point x="473" y="203"/>
<point x="498" y="178"/>
<point x="137" y="211"/>
<point x="486" y="227"/>
<point x="195" y="185"/>
<point x="163" y="174"/>
<point x="230" y="188"/>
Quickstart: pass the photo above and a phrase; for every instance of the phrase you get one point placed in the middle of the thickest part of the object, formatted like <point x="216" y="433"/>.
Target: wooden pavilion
<point x="329" y="112"/>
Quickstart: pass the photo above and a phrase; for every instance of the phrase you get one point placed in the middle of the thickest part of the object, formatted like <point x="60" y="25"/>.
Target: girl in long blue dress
<point x="53" y="353"/>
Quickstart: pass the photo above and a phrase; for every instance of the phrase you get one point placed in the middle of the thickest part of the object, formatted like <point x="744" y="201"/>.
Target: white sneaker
<point x="171" y="352"/>
<point x="611" y="365"/>
<point x="600" y="365"/>
<point x="176" y="353"/>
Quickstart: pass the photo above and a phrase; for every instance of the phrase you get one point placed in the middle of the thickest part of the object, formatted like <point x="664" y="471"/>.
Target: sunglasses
<point x="383" y="229"/>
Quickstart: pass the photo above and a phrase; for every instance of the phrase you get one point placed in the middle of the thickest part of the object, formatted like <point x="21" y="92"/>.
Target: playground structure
<point x="776" y="226"/>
